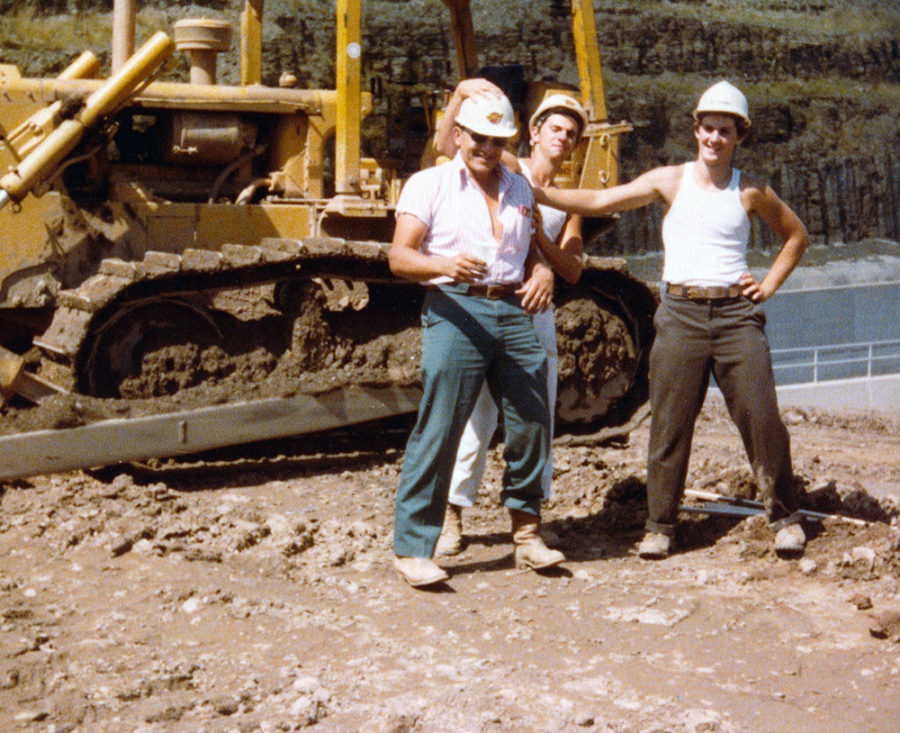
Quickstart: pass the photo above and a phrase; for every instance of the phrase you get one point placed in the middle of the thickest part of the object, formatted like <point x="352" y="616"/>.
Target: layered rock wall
<point x="822" y="77"/>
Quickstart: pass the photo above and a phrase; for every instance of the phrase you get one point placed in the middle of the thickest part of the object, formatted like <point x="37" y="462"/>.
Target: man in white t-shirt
<point x="554" y="130"/>
<point x="711" y="319"/>
<point x="464" y="228"/>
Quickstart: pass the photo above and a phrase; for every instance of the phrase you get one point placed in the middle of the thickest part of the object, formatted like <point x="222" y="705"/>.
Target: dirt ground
<point x="258" y="595"/>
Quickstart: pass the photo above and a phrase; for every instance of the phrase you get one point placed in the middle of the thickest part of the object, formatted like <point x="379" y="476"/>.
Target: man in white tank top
<point x="711" y="318"/>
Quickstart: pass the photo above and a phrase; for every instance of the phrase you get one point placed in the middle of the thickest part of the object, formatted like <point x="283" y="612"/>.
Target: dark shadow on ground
<point x="612" y="531"/>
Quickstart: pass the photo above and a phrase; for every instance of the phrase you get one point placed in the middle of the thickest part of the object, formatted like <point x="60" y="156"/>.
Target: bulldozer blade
<point x="121" y="440"/>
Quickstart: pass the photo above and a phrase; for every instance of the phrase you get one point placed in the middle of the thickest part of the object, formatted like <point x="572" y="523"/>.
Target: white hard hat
<point x="487" y="115"/>
<point x="725" y="98"/>
<point x="562" y="102"/>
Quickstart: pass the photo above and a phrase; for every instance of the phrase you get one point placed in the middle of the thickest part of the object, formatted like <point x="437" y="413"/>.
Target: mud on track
<point x="320" y="344"/>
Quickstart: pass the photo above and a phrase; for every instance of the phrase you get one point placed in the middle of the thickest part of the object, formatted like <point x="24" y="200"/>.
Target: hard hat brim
<point x="562" y="103"/>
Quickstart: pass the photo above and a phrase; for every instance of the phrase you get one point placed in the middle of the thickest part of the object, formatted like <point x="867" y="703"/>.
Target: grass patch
<point x="55" y="32"/>
<point x="864" y="17"/>
<point x="674" y="86"/>
<point x="92" y="31"/>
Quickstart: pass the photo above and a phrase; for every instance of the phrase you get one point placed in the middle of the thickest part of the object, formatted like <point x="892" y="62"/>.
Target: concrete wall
<point x="875" y="394"/>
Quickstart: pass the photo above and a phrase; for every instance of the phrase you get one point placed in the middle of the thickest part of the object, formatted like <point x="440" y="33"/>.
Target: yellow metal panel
<point x="171" y="228"/>
<point x="348" y="66"/>
<point x="601" y="160"/>
<point x="219" y="224"/>
<point x="24" y="240"/>
<point x="290" y="221"/>
<point x="251" y="42"/>
<point x="9" y="71"/>
<point x="174" y="227"/>
<point x="18" y="106"/>
<point x="288" y="151"/>
<point x="587" y="51"/>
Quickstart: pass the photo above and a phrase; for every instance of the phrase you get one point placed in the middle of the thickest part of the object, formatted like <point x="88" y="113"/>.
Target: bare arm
<point x="659" y="184"/>
<point x="407" y="260"/>
<point x="566" y="255"/>
<point x="537" y="290"/>
<point x="764" y="202"/>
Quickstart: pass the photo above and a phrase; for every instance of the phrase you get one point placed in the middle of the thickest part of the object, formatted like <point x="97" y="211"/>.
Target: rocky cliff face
<point x="822" y="77"/>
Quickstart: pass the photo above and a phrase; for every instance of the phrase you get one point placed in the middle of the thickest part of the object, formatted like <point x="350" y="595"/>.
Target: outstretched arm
<point x="659" y="184"/>
<point x="764" y="202"/>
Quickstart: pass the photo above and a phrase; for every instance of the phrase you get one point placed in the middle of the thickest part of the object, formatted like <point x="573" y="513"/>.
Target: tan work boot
<point x="419" y="571"/>
<point x="531" y="552"/>
<point x="790" y="540"/>
<point x="451" y="540"/>
<point x="655" y="546"/>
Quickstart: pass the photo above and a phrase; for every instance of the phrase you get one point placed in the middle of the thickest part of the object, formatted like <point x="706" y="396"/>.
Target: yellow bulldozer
<point x="129" y="206"/>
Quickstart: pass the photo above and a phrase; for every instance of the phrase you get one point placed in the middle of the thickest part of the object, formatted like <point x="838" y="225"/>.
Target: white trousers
<point x="471" y="456"/>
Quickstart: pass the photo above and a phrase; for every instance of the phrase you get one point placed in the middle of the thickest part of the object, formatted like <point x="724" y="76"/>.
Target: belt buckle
<point x="496" y="292"/>
<point x="693" y="292"/>
<point x="711" y="292"/>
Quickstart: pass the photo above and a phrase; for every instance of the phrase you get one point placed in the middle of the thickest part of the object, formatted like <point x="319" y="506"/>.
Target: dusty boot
<point x="419" y="571"/>
<point x="451" y="540"/>
<point x="531" y="552"/>
<point x="790" y="540"/>
<point x="655" y="546"/>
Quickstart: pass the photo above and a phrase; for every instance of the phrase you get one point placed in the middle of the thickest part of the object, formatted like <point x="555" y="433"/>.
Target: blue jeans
<point x="468" y="341"/>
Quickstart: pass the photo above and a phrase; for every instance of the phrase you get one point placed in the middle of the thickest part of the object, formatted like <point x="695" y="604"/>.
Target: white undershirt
<point x="705" y="234"/>
<point x="553" y="219"/>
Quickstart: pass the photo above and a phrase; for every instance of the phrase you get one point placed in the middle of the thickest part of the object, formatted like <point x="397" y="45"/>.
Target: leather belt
<point x="698" y="292"/>
<point x="493" y="292"/>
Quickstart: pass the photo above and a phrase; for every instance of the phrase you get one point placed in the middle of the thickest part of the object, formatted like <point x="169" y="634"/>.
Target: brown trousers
<point x="726" y="338"/>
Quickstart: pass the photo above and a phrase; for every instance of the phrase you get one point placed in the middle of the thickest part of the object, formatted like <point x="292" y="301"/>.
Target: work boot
<point x="790" y="540"/>
<point x="451" y="540"/>
<point x="531" y="552"/>
<point x="655" y="546"/>
<point x="419" y="571"/>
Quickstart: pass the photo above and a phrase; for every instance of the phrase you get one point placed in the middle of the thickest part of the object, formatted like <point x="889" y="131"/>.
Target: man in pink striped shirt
<point x="464" y="229"/>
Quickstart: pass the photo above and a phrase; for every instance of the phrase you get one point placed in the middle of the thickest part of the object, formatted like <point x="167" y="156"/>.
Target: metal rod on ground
<point x="711" y="496"/>
<point x="751" y="504"/>
<point x="724" y="510"/>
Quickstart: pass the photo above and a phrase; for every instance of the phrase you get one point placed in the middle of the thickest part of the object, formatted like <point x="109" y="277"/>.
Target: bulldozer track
<point x="162" y="274"/>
